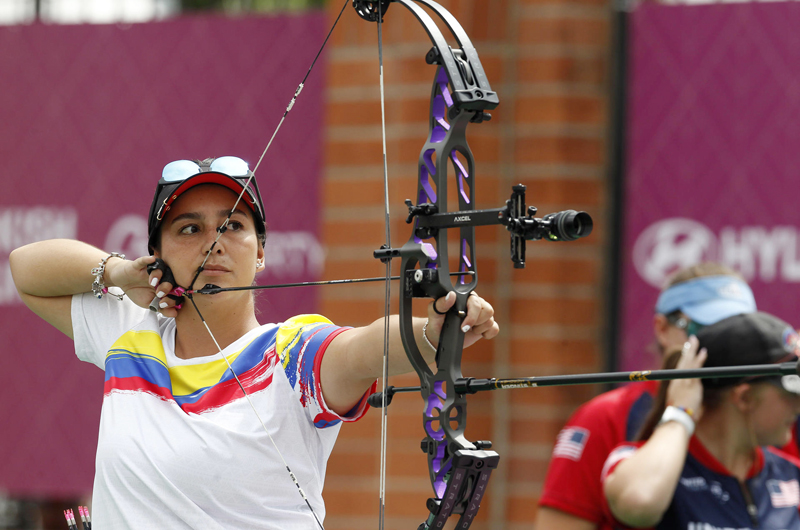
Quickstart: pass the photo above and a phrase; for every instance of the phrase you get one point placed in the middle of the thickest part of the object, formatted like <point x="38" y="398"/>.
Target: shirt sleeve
<point x="300" y="344"/>
<point x="572" y="484"/>
<point x="620" y="453"/>
<point x="98" y="322"/>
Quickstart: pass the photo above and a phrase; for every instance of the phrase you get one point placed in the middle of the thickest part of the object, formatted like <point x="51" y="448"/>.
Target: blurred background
<point x="675" y="125"/>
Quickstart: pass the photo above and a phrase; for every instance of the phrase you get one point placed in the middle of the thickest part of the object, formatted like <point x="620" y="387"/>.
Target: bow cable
<point x="247" y="396"/>
<point x="297" y="91"/>
<point x="222" y="228"/>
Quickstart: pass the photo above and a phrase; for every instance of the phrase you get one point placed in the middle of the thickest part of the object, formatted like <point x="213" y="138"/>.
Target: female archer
<point x="179" y="445"/>
<point x="703" y="460"/>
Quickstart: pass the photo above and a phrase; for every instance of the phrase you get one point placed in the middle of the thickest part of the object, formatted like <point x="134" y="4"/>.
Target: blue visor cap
<point x="708" y="299"/>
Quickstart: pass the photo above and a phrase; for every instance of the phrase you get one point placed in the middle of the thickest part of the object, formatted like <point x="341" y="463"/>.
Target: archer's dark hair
<point x="712" y="397"/>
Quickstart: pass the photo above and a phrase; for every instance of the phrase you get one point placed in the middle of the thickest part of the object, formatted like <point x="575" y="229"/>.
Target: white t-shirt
<point x="179" y="445"/>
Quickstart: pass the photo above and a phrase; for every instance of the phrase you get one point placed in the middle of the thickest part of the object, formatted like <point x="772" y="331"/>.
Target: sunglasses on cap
<point x="180" y="170"/>
<point x="680" y="321"/>
<point x="231" y="166"/>
<point x="181" y="175"/>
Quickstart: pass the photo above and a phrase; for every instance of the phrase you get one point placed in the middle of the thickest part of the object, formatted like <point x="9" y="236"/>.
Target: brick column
<point x="547" y="61"/>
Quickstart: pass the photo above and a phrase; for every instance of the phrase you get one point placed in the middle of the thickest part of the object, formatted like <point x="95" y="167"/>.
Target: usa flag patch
<point x="570" y="443"/>
<point x="784" y="494"/>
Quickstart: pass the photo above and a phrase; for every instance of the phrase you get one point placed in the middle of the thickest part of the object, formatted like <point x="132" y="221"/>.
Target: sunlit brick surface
<point x="548" y="62"/>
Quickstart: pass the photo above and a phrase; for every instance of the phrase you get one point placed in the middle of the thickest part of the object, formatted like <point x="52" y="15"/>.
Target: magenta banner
<point x="713" y="155"/>
<point x="90" y="115"/>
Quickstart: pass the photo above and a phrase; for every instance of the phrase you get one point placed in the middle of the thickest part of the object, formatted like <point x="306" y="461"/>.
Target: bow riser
<point x="459" y="470"/>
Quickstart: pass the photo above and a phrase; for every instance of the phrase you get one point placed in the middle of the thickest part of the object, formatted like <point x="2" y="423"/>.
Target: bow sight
<point x="567" y="225"/>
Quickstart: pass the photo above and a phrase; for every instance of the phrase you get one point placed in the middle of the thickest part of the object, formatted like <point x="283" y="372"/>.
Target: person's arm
<point x="640" y="489"/>
<point x="354" y="359"/>
<point x="552" y="519"/>
<point x="572" y="485"/>
<point x="47" y="274"/>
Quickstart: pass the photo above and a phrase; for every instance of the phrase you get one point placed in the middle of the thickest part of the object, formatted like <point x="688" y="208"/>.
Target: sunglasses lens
<point x="693" y="328"/>
<point x="179" y="170"/>
<point x="230" y="165"/>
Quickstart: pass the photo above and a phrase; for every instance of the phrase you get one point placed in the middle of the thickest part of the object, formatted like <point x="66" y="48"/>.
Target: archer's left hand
<point x="477" y="324"/>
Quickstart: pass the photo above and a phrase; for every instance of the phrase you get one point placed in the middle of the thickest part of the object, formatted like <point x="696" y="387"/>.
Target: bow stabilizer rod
<point x="471" y="385"/>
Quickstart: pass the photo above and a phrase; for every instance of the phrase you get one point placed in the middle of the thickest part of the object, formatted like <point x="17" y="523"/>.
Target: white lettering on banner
<point x="671" y="244"/>
<point x="288" y="254"/>
<point x="755" y="244"/>
<point x="8" y="291"/>
<point x="758" y="252"/>
<point x="791" y="261"/>
<point x="128" y="235"/>
<point x="21" y="225"/>
<point x="293" y="254"/>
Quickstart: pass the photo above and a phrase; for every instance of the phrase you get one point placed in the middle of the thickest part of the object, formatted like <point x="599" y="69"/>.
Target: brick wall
<point x="547" y="59"/>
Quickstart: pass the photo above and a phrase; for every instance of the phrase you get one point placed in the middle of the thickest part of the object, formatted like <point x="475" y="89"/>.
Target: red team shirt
<point x="573" y="478"/>
<point x="573" y="483"/>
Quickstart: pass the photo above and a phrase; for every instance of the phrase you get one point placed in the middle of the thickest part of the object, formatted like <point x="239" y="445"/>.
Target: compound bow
<point x="461" y="94"/>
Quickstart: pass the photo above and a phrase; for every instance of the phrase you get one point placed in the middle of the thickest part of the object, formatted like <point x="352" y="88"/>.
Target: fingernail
<point x="450" y="296"/>
<point x="160" y="294"/>
<point x="465" y="329"/>
<point x="162" y="305"/>
<point x="154" y="282"/>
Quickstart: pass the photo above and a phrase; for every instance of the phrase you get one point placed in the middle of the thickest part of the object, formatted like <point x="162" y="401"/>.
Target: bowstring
<point x="221" y="230"/>
<point x="388" y="295"/>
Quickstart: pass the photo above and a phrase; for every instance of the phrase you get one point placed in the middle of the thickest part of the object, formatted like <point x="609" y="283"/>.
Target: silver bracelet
<point x="98" y="286"/>
<point x="425" y="334"/>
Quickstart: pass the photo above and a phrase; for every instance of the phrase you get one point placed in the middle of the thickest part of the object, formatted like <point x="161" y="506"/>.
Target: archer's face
<point x="774" y="415"/>
<point x="190" y="228"/>
<point x="668" y="335"/>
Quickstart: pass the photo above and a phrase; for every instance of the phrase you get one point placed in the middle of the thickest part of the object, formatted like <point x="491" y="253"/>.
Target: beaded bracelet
<point x="98" y="286"/>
